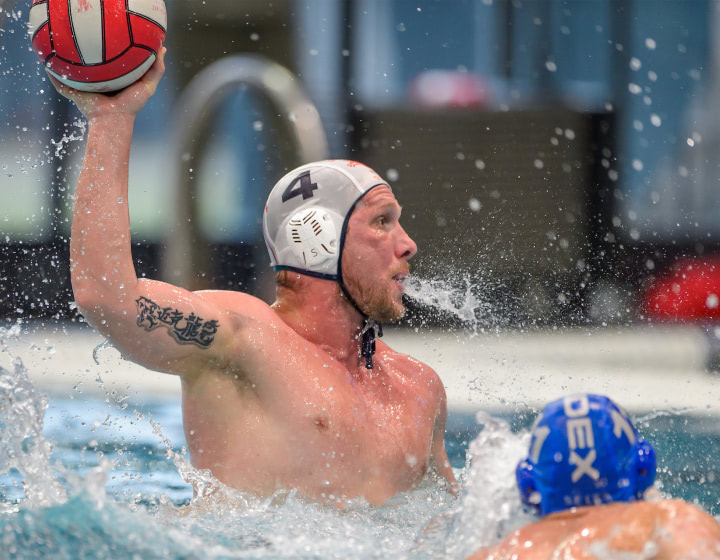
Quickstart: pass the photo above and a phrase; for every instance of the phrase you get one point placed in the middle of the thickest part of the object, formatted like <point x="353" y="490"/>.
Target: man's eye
<point x="381" y="220"/>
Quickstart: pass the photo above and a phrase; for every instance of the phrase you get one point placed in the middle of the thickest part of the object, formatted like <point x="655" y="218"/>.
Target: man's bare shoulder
<point x="685" y="510"/>
<point x="690" y="527"/>
<point x="669" y="512"/>
<point x="239" y="303"/>
<point x="407" y="366"/>
<point x="674" y="529"/>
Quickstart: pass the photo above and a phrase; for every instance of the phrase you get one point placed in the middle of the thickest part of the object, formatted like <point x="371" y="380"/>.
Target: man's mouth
<point x="399" y="279"/>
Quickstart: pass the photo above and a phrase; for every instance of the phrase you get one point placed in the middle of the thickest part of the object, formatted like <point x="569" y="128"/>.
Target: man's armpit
<point x="189" y="329"/>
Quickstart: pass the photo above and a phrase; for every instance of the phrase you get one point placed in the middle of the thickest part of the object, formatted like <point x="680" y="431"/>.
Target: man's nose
<point x="406" y="247"/>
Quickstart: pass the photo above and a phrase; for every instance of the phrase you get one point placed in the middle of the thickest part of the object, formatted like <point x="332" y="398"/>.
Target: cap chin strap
<point x="371" y="329"/>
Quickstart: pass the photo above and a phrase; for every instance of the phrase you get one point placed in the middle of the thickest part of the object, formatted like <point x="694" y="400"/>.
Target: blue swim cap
<point x="584" y="451"/>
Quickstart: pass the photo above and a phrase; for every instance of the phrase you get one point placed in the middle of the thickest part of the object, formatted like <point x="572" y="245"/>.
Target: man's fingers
<point x="61" y="88"/>
<point x="129" y="100"/>
<point x="157" y="69"/>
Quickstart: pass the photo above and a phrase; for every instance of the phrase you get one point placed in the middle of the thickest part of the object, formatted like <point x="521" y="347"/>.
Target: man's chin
<point x="388" y="314"/>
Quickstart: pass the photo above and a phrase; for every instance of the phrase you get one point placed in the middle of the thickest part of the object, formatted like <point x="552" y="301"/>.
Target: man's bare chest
<point x="376" y="409"/>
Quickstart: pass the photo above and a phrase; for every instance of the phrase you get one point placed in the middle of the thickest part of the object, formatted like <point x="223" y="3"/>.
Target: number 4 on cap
<point x="305" y="189"/>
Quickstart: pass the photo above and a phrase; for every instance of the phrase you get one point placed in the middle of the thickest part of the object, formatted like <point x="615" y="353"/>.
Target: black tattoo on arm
<point x="185" y="330"/>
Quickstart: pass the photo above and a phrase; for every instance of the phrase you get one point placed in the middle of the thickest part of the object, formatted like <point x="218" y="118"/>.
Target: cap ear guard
<point x="645" y="466"/>
<point x="312" y="236"/>
<point x="529" y="495"/>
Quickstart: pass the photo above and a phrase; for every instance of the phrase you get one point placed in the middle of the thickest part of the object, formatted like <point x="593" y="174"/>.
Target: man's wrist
<point x="114" y="119"/>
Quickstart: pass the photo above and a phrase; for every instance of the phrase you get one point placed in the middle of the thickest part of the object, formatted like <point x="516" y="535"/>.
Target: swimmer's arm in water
<point x="158" y="325"/>
<point x="438" y="452"/>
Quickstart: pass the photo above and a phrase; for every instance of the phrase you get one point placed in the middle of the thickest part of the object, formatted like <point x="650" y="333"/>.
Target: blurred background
<point x="557" y="160"/>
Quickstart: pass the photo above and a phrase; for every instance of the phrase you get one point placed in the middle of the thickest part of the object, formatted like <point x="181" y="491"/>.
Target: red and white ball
<point x="97" y="45"/>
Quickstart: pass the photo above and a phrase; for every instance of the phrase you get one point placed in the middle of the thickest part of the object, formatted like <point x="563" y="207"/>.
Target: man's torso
<point x="310" y="423"/>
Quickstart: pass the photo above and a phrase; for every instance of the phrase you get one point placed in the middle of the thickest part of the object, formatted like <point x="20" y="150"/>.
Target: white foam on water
<point x="23" y="448"/>
<point x="489" y="506"/>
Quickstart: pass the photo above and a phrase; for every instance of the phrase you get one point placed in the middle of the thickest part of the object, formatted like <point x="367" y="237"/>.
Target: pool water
<point x="87" y="477"/>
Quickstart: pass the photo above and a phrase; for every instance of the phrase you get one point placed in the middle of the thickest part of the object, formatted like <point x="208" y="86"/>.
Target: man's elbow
<point x="90" y="307"/>
<point x="90" y="296"/>
<point x="97" y="304"/>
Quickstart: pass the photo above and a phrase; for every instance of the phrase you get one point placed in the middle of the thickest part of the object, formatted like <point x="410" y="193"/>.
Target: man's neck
<point x="319" y="312"/>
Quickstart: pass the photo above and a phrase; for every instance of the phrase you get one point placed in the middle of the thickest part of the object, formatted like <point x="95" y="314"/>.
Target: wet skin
<point x="662" y="530"/>
<point x="274" y="397"/>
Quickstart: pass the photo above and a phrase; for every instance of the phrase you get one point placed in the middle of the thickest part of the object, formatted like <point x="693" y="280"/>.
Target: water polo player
<point x="294" y="395"/>
<point x="586" y="474"/>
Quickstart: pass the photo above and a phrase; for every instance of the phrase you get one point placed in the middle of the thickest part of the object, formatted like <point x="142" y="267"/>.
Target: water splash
<point x="489" y="507"/>
<point x="443" y="297"/>
<point x="23" y="447"/>
<point x="209" y="494"/>
<point x="458" y="303"/>
<point x="60" y="145"/>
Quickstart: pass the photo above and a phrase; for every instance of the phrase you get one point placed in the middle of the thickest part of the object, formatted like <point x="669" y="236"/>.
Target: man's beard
<point x="373" y="298"/>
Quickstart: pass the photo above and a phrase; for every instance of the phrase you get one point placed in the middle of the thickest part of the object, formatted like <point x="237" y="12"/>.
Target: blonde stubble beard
<point x="374" y="299"/>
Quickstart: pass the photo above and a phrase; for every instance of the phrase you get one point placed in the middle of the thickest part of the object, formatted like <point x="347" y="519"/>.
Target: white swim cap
<point x="306" y="215"/>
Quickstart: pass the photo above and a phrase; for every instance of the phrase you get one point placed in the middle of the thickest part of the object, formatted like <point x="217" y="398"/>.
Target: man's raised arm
<point x="158" y="325"/>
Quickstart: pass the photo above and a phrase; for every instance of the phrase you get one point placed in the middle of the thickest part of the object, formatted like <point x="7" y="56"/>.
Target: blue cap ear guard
<point x="584" y="451"/>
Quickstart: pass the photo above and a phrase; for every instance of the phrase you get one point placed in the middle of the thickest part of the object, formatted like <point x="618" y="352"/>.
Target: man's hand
<point x="128" y="101"/>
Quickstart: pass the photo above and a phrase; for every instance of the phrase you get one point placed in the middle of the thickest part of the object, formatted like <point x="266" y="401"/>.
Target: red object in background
<point x="690" y="292"/>
<point x="449" y="88"/>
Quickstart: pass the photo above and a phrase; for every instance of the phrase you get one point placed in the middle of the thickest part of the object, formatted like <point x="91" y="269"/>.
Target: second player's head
<point x="584" y="451"/>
